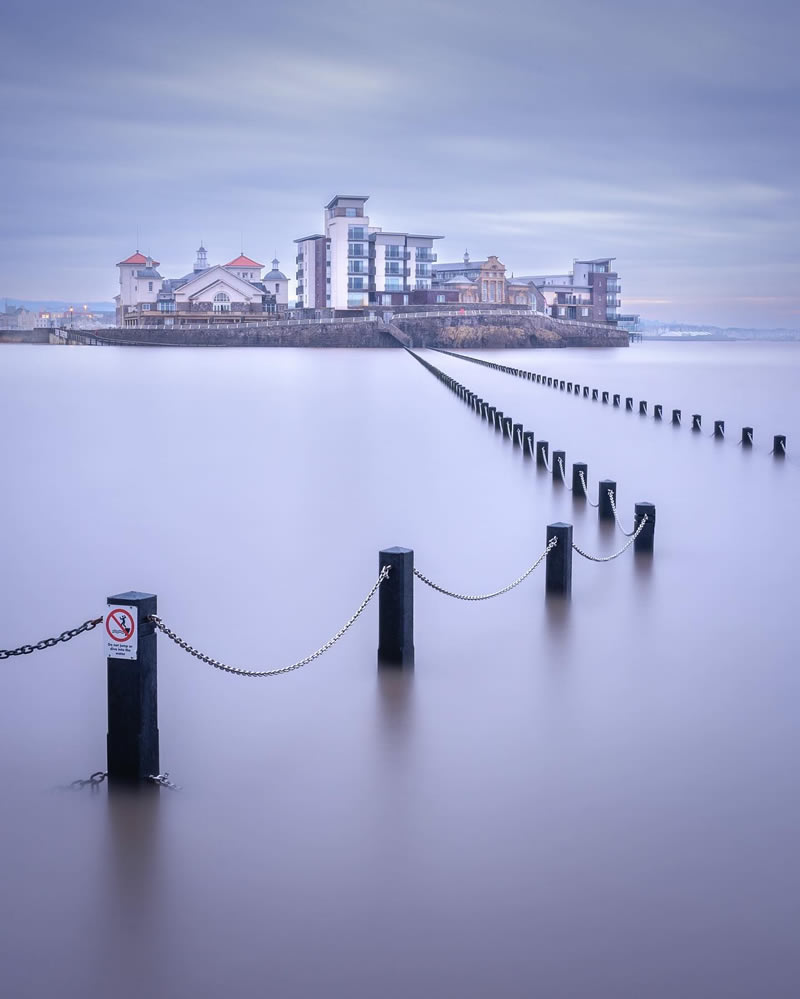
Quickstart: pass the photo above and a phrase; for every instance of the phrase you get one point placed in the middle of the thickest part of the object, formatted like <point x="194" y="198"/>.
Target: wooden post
<point x="396" y="607"/>
<point x="629" y="403"/>
<point x="642" y="408"/>
<point x="542" y="449"/>
<point x="577" y="486"/>
<point x="527" y="444"/>
<point x="779" y="445"/>
<point x="616" y="399"/>
<point x="557" y="477"/>
<point x="604" y="397"/>
<point x="517" y="434"/>
<point x="676" y="416"/>
<point x="604" y="509"/>
<point x="747" y="436"/>
<point x="558" y="570"/>
<point x="719" y="428"/>
<point x="657" y="410"/>
<point x="697" y="420"/>
<point x="132" y="742"/>
<point x="644" y="541"/>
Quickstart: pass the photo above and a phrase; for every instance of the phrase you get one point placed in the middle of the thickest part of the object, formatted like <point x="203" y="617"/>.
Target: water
<point x="596" y="799"/>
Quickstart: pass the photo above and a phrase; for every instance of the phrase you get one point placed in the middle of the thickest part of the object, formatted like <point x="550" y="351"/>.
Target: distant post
<point x="616" y="399"/>
<point x="719" y="428"/>
<point x="697" y="420"/>
<point x="657" y="410"/>
<point x="527" y="444"/>
<point x="779" y="445"/>
<point x="396" y="607"/>
<point x="562" y="457"/>
<point x="747" y="436"/>
<point x="604" y="397"/>
<point x="577" y="485"/>
<point x="642" y="407"/>
<point x="542" y="451"/>
<point x="132" y="668"/>
<point x="629" y="403"/>
<point x="676" y="416"/>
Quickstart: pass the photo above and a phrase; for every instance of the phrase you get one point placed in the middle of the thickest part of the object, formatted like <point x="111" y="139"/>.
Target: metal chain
<point x="608" y="558"/>
<point x="238" y="671"/>
<point x="613" y="503"/>
<point x="163" y="781"/>
<point x="582" y="477"/>
<point x="488" y="596"/>
<point x="563" y="475"/>
<point x="548" y="464"/>
<point x="93" y="782"/>
<point x="48" y="643"/>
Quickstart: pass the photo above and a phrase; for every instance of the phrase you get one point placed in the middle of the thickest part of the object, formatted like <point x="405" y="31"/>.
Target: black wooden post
<point x="577" y="485"/>
<point x="604" y="509"/>
<point x="549" y="382"/>
<point x="542" y="449"/>
<point x="561" y="384"/>
<point x="642" y="407"/>
<point x="616" y="399"/>
<point x="719" y="428"/>
<point x="498" y="419"/>
<point x="676" y="416"/>
<point x="595" y="394"/>
<point x="747" y="436"/>
<point x="629" y="402"/>
<point x="657" y="410"/>
<point x="558" y="570"/>
<point x="507" y="423"/>
<point x="644" y="540"/>
<point x="132" y="742"/>
<point x="585" y="391"/>
<point x="779" y="445"/>
<point x="697" y="420"/>
<point x="527" y="444"/>
<point x="569" y="386"/>
<point x="577" y="390"/>
<point x="604" y="397"/>
<point x="517" y="433"/>
<point x="562" y="456"/>
<point x="491" y="412"/>
<point x="396" y="607"/>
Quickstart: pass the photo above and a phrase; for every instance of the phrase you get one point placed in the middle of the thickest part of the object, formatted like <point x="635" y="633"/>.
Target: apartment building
<point x="590" y="291"/>
<point x="353" y="264"/>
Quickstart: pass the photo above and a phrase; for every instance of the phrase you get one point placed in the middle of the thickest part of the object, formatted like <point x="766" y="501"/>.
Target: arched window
<point x="222" y="302"/>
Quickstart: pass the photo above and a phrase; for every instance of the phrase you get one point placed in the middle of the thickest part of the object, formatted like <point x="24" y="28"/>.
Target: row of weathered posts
<point x="574" y="388"/>
<point x="540" y="450"/>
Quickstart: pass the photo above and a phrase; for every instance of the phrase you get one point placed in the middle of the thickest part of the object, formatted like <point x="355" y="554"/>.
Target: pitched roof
<point x="137" y="258"/>
<point x="242" y="261"/>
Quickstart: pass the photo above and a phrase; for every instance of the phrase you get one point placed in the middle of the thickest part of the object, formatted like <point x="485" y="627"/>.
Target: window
<point x="222" y="302"/>
<point x="440" y="298"/>
<point x="584" y="312"/>
<point x="350" y="213"/>
<point x="277" y="287"/>
<point x="356" y="232"/>
<point x="356" y="250"/>
<point x="149" y="285"/>
<point x="393" y="284"/>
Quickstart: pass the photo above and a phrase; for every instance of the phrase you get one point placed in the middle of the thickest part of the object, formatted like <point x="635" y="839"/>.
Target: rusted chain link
<point x="497" y="593"/>
<point x="613" y="503"/>
<point x="48" y="643"/>
<point x="238" y="671"/>
<point x="582" y="477"/>
<point x="608" y="558"/>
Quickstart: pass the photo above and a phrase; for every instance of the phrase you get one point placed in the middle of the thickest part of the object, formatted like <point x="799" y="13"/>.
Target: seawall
<point x="465" y="331"/>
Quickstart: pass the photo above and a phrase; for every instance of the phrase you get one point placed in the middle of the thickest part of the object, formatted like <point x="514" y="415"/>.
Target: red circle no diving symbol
<point x="120" y="625"/>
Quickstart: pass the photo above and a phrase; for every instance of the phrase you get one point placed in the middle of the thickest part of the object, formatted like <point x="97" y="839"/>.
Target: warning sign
<point x="121" y="636"/>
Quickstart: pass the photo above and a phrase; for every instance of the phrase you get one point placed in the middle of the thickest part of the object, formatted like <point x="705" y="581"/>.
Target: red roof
<point x="137" y="258"/>
<point x="243" y="261"/>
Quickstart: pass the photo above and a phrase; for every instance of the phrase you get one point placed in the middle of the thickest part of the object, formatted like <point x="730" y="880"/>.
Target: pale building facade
<point x="353" y="264"/>
<point x="590" y="291"/>
<point x="485" y="282"/>
<point x="232" y="292"/>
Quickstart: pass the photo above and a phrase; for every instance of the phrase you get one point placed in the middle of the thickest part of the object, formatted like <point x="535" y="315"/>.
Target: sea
<point x="592" y="797"/>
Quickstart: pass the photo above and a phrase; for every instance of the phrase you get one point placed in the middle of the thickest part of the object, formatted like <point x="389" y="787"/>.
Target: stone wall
<point x="463" y="331"/>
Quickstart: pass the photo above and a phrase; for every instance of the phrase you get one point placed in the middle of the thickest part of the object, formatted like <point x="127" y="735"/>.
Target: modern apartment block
<point x="591" y="291"/>
<point x="354" y="264"/>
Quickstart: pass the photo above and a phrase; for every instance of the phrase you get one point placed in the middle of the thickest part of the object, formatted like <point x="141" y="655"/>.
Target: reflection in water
<point x="584" y="797"/>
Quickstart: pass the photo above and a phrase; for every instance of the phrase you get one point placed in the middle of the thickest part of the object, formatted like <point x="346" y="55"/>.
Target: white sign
<point x="122" y="638"/>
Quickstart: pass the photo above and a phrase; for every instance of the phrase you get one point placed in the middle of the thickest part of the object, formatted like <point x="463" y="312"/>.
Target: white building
<point x="231" y="292"/>
<point x="354" y="264"/>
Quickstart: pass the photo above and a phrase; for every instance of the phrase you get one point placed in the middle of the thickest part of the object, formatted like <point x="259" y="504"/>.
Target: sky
<point x="664" y="134"/>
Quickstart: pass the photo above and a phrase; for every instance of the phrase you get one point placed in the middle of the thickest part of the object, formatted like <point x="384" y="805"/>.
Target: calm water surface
<point x="593" y="799"/>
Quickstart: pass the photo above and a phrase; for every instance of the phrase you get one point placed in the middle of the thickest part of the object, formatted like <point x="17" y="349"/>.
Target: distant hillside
<point x="56" y="305"/>
<point x="702" y="331"/>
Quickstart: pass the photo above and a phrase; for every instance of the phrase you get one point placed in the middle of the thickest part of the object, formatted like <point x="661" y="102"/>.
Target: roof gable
<point x="243" y="261"/>
<point x="137" y="258"/>
<point x="206" y="279"/>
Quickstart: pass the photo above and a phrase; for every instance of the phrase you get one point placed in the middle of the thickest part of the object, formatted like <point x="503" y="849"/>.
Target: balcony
<point x="426" y="256"/>
<point x="392" y="254"/>
<point x="299" y="258"/>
